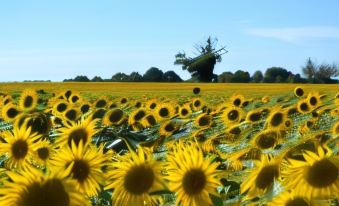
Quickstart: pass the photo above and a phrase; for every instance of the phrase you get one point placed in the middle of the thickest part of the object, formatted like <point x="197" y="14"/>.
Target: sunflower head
<point x="197" y="104"/>
<point x="267" y="139"/>
<point x="28" y="100"/>
<point x="168" y="128"/>
<point x="10" y="112"/>
<point x="114" y="117"/>
<point x="203" y="120"/>
<point x="299" y="92"/>
<point x="185" y="111"/>
<point x="149" y="121"/>
<point x="191" y="176"/>
<point x="196" y="90"/>
<point x="133" y="177"/>
<point x="101" y="102"/>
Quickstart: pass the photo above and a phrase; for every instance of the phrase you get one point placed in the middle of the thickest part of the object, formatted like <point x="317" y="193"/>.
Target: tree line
<point x="312" y="72"/>
<point x="153" y="74"/>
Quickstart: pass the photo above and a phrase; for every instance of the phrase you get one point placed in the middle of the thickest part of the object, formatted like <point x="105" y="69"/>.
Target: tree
<point x="135" y="77"/>
<point x="241" y="77"/>
<point x="225" y="77"/>
<point x="81" y="78"/>
<point x="257" y="76"/>
<point x="322" y="73"/>
<point x="153" y="74"/>
<point x="326" y="71"/>
<point x="275" y="74"/>
<point x="171" y="76"/>
<point x="120" y="77"/>
<point x="97" y="79"/>
<point x="310" y="70"/>
<point x="201" y="67"/>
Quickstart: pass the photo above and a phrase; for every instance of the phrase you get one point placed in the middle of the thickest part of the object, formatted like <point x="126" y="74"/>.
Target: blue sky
<point x="61" y="39"/>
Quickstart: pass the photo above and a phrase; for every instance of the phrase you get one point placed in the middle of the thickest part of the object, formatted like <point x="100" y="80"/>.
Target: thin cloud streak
<point x="295" y="34"/>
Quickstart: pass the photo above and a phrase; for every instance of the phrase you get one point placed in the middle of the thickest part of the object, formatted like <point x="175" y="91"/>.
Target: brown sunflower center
<point x="19" y="149"/>
<point x="194" y="181"/>
<point x="313" y="101"/>
<point x="80" y="170"/>
<point x="266" y="141"/>
<point x="75" y="99"/>
<point x="153" y="105"/>
<point x="299" y="92"/>
<point x="237" y="102"/>
<point x="71" y="114"/>
<point x="233" y="115"/>
<point x="255" y="117"/>
<point x="169" y="127"/>
<point x="101" y="103"/>
<point x="98" y="114"/>
<point x="43" y="153"/>
<point x="163" y="112"/>
<point x="184" y="112"/>
<point x="204" y="121"/>
<point x="299" y="201"/>
<point x="139" y="179"/>
<point x="322" y="173"/>
<point x="51" y="193"/>
<point x="266" y="176"/>
<point x="28" y="102"/>
<point x="304" y="107"/>
<point x="12" y="112"/>
<point x="61" y="107"/>
<point x="123" y="101"/>
<point x="197" y="103"/>
<point x="139" y="115"/>
<point x="77" y="135"/>
<point x="277" y="119"/>
<point x="84" y="108"/>
<point x="116" y="115"/>
<point x="151" y="120"/>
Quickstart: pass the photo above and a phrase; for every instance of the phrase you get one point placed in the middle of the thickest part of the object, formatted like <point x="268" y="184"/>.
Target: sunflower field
<point x="68" y="148"/>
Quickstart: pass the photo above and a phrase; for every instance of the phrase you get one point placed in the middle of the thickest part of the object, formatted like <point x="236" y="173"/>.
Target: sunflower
<point x="114" y="117"/>
<point x="98" y="114"/>
<point x="101" y="102"/>
<point x="266" y="139"/>
<point x="185" y="111"/>
<point x="314" y="99"/>
<point x="123" y="101"/>
<point x="149" y="121"/>
<point x="254" y="116"/>
<point x="19" y="146"/>
<point x="191" y="176"/>
<point x="72" y="114"/>
<point x="289" y="198"/>
<point x="261" y="178"/>
<point x="316" y="177"/>
<point x="43" y="152"/>
<point x="60" y="107"/>
<point x="133" y="177"/>
<point x="6" y="100"/>
<point x="38" y="122"/>
<point x="152" y="104"/>
<point x="75" y="98"/>
<point x="303" y="107"/>
<point x="276" y="119"/>
<point x="85" y="107"/>
<point x="299" y="92"/>
<point x="164" y="111"/>
<point x="10" y="112"/>
<point x="197" y="104"/>
<point x="84" y="164"/>
<point x="136" y="116"/>
<point x="203" y="120"/>
<point x="196" y="90"/>
<point x="31" y="187"/>
<point x="168" y="128"/>
<point x="67" y="94"/>
<point x="237" y="100"/>
<point x="75" y="131"/>
<point x="28" y="100"/>
<point x="232" y="115"/>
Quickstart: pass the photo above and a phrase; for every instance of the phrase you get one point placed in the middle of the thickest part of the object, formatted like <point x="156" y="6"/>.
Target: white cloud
<point x="294" y="34"/>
